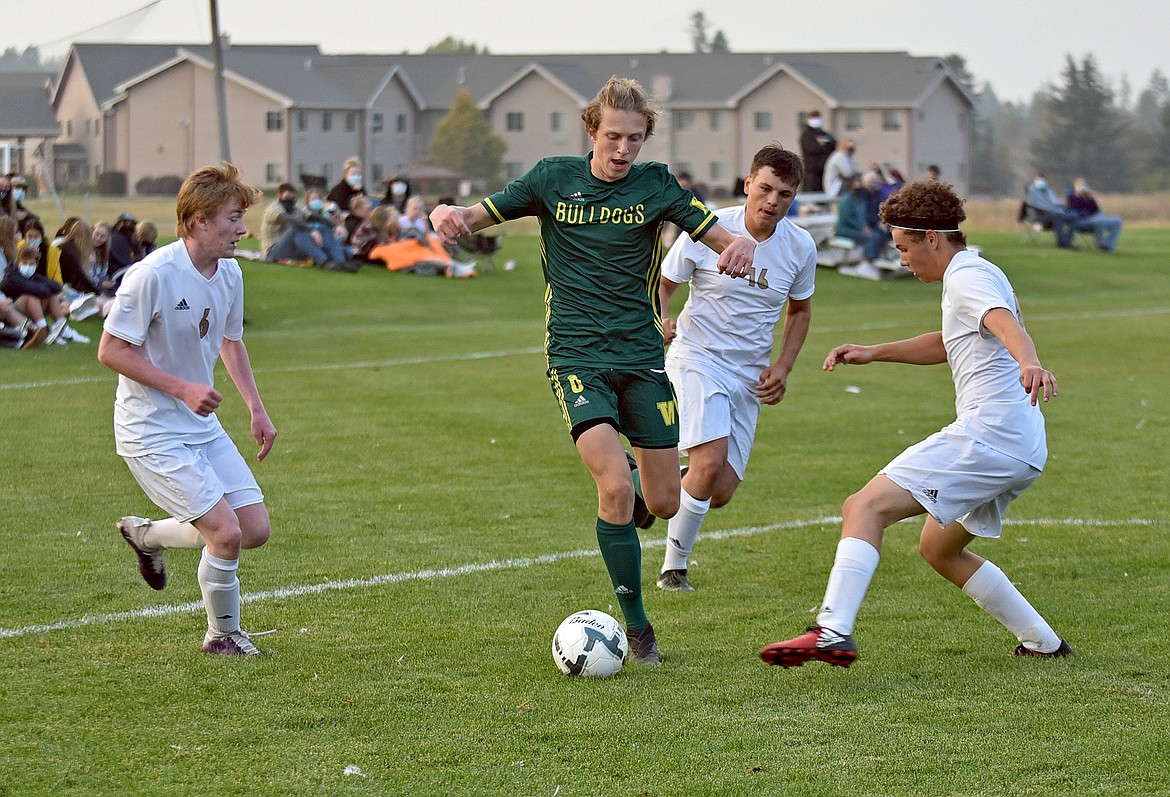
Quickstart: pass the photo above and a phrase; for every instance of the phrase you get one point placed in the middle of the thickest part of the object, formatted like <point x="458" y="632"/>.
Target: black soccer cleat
<point x="643" y="646"/>
<point x="1065" y="649"/>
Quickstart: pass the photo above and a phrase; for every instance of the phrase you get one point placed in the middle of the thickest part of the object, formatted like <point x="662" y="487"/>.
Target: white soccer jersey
<point x="729" y="323"/>
<point x="990" y="402"/>
<point x="180" y="319"/>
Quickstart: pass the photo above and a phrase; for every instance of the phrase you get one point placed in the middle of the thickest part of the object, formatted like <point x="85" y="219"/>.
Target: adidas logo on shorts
<point x="581" y="401"/>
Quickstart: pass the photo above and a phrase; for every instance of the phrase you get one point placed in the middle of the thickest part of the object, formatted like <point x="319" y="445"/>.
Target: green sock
<point x="622" y="553"/>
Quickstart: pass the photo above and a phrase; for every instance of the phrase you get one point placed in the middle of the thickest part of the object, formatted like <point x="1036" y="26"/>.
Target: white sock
<point x="683" y="531"/>
<point x="998" y="596"/>
<point x="853" y="569"/>
<point x="221" y="593"/>
<point x="170" y="533"/>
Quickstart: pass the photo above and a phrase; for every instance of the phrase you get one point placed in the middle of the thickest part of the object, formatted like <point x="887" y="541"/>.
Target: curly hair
<point x="621" y="94"/>
<point x="927" y="202"/>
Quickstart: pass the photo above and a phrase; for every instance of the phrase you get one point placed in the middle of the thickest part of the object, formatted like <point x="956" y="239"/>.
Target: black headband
<point x="923" y="224"/>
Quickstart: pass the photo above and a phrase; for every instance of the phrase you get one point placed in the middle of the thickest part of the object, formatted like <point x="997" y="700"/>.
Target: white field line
<point x="471" y="569"/>
<point x="488" y="355"/>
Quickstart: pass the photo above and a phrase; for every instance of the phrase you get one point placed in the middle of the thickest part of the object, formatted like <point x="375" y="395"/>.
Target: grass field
<point x="433" y="525"/>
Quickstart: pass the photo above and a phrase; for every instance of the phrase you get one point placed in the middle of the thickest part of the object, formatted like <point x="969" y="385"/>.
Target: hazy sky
<point x="1016" y="45"/>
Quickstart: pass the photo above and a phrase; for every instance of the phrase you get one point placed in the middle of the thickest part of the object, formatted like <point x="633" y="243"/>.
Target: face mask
<point x="289" y="205"/>
<point x="18" y="194"/>
<point x="33" y="243"/>
<point x="850" y="151"/>
<point x="1041" y="184"/>
<point x="354" y="180"/>
<point x="315" y="204"/>
<point x="27" y="271"/>
<point x="815" y="122"/>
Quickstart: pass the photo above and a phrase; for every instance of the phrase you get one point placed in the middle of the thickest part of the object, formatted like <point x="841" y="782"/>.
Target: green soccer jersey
<point x="600" y="248"/>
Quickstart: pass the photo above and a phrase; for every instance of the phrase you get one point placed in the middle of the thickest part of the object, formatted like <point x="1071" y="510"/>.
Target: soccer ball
<point x="590" y="643"/>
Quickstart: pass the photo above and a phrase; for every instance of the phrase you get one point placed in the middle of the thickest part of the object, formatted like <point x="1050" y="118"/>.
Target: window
<point x="718" y="121"/>
<point x="68" y="127"/>
<point x="97" y="128"/>
<point x="350" y="122"/>
<point x="684" y="120"/>
<point x="376" y="123"/>
<point x="88" y="127"/>
<point x="302" y="121"/>
<point x="400" y="123"/>
<point x="556" y="121"/>
<point x="683" y="166"/>
<point x="762" y="120"/>
<point x="326" y="121"/>
<point x="376" y="173"/>
<point x="891" y="120"/>
<point x="719" y="171"/>
<point x="854" y="121"/>
<point x="514" y="122"/>
<point x="801" y="120"/>
<point x="274" y="121"/>
<point x="512" y="170"/>
<point x="272" y="173"/>
<point x="327" y="172"/>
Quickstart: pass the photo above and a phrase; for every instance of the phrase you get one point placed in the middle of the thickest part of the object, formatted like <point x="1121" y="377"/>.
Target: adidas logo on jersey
<point x="182" y="305"/>
<point x="576" y="196"/>
<point x="932" y="495"/>
<point x="581" y="401"/>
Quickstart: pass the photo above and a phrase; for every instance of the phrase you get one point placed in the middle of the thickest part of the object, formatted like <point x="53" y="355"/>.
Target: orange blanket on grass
<point x="404" y="254"/>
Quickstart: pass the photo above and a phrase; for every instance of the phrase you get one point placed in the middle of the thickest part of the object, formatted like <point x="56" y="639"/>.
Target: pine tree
<point x="1083" y="132"/>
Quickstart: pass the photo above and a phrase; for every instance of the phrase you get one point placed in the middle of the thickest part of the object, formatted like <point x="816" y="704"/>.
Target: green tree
<point x="453" y="45"/>
<point x="1083" y="132"/>
<point x="464" y="142"/>
<point x="701" y="41"/>
<point x="1160" y="158"/>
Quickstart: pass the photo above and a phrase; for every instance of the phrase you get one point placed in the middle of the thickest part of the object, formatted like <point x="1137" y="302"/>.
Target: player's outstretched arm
<point x="926" y="349"/>
<point x="1036" y="379"/>
<point x="239" y="367"/>
<point x="736" y="252"/>
<point x="451" y="221"/>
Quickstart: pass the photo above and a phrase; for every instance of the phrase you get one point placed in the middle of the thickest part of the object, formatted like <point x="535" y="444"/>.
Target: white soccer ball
<point x="590" y="643"/>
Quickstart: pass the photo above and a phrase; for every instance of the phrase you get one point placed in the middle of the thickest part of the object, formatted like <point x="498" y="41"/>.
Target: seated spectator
<point x="414" y="219"/>
<point x="359" y="211"/>
<point x="854" y="224"/>
<point x="34" y="294"/>
<point x="146" y="234"/>
<point x="124" y="249"/>
<point x="1042" y="205"/>
<point x="34" y="237"/>
<point x="933" y="172"/>
<point x="12" y="200"/>
<point x="379" y="226"/>
<point x="894" y="180"/>
<point x="287" y="236"/>
<point x="74" y="248"/>
<point x="16" y="331"/>
<point x="1089" y="217"/>
<point x="398" y="191"/>
<point x="839" y="166"/>
<point x="349" y="186"/>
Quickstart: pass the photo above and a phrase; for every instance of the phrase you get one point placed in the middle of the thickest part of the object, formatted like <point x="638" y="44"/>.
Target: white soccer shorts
<point x="955" y="477"/>
<point x="186" y="481"/>
<point x="713" y="404"/>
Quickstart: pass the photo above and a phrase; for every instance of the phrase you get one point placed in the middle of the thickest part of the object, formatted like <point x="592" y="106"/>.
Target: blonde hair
<point x="621" y="94"/>
<point x="206" y="191"/>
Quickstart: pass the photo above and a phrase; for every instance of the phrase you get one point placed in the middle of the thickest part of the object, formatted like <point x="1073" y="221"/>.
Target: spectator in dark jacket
<point x="124" y="249"/>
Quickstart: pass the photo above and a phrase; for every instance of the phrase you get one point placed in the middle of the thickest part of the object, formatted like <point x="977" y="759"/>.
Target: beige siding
<point x="76" y="104"/>
<point x="536" y="99"/>
<point x="168" y="125"/>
